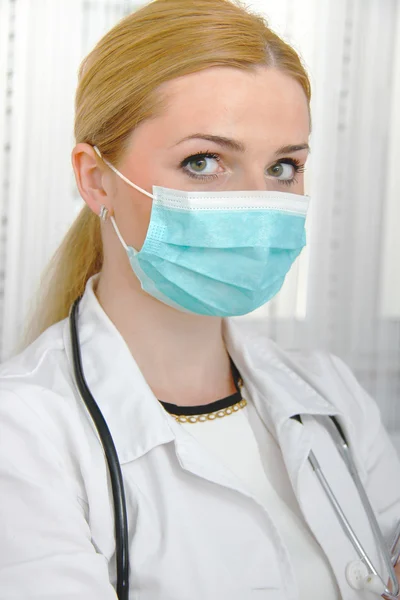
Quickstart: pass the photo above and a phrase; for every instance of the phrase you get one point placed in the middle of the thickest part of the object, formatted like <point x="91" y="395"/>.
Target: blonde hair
<point x="117" y="90"/>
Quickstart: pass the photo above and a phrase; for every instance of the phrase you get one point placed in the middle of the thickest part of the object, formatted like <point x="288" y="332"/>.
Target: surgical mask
<point x="217" y="253"/>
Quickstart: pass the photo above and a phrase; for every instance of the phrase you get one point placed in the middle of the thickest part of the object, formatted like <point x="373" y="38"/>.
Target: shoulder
<point x="333" y="377"/>
<point x="320" y="368"/>
<point x="310" y="369"/>
<point x="38" y="374"/>
<point x="38" y="401"/>
<point x="49" y="346"/>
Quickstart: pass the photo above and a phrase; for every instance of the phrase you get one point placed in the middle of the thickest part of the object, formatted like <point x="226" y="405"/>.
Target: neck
<point x="182" y="356"/>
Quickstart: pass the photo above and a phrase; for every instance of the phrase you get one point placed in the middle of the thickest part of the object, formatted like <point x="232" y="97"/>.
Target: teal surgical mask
<point x="217" y="253"/>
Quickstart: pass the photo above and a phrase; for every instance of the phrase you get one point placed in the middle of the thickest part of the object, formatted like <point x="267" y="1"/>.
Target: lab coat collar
<point x="136" y="419"/>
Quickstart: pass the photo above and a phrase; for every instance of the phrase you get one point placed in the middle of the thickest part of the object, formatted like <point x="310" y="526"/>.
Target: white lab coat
<point x="195" y="532"/>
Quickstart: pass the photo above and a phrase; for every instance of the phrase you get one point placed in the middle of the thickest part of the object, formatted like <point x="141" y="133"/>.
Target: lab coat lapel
<point x="134" y="416"/>
<point x="278" y="390"/>
<point x="268" y="390"/>
<point x="196" y="459"/>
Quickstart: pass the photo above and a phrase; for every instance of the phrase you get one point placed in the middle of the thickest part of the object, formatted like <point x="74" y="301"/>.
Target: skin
<point x="183" y="356"/>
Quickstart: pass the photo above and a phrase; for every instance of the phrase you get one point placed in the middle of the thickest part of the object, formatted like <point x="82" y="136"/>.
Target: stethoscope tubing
<point x="340" y="514"/>
<point x="114" y="468"/>
<point x="117" y="484"/>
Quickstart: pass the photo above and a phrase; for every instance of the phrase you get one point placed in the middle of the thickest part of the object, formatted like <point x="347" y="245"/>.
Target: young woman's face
<point x="221" y="129"/>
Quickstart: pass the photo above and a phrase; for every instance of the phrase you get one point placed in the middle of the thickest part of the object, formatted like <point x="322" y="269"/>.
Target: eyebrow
<point x="239" y="146"/>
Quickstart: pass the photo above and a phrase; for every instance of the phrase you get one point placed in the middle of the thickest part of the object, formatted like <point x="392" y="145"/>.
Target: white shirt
<point x="196" y="532"/>
<point x="245" y="446"/>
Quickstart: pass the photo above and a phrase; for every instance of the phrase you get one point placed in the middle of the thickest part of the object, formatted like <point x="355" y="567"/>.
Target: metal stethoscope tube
<point x="389" y="557"/>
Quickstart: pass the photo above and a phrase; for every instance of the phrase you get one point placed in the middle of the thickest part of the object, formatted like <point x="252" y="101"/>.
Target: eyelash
<point x="296" y="164"/>
<point x="206" y="154"/>
<point x="298" y="168"/>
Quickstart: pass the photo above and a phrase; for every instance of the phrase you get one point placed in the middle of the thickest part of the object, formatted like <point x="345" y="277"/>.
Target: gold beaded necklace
<point x="217" y="414"/>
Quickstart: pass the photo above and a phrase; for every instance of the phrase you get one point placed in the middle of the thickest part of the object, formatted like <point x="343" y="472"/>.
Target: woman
<point x="192" y="126"/>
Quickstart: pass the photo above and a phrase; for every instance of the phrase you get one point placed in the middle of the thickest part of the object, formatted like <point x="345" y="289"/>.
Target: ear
<point x="91" y="178"/>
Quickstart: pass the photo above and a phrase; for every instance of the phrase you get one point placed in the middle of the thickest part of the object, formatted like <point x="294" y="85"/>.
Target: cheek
<point x="298" y="188"/>
<point x="132" y="213"/>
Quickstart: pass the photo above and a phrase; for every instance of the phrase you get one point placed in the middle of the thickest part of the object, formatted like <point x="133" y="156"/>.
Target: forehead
<point x="264" y="103"/>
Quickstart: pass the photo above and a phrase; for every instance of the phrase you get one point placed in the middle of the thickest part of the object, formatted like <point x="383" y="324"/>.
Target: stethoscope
<point x="360" y="574"/>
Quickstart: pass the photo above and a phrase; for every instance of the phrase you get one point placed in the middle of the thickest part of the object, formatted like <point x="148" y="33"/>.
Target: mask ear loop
<point x="117" y="231"/>
<point x="103" y="213"/>
<point x="139" y="189"/>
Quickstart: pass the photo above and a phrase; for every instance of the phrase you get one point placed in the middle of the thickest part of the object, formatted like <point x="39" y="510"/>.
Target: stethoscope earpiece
<point x="359" y="578"/>
<point x="374" y="584"/>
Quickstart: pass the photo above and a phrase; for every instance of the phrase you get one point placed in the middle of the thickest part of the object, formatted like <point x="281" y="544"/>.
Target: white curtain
<point x="344" y="292"/>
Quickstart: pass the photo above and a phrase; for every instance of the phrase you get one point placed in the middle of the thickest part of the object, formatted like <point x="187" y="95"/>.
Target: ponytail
<point x="79" y="256"/>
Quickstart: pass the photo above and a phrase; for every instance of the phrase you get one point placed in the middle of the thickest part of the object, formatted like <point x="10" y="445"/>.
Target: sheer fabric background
<point x="343" y="294"/>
